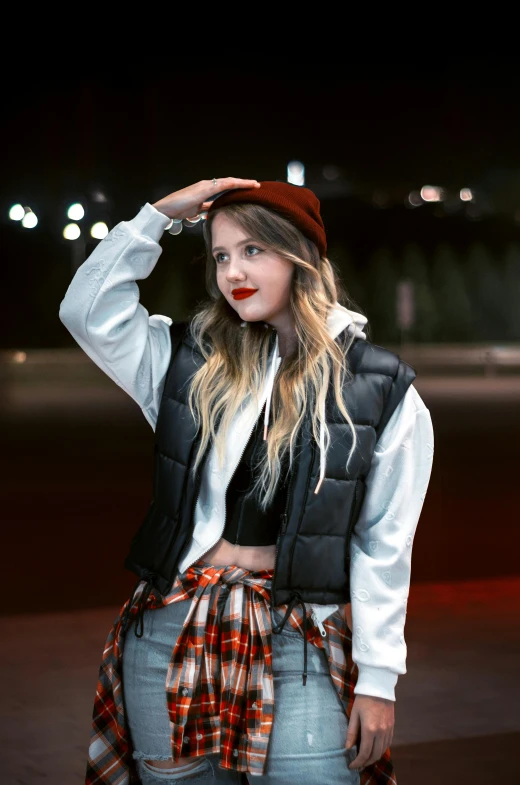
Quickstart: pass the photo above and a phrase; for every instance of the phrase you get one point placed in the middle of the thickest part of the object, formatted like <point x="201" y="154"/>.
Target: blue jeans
<point x="308" y="737"/>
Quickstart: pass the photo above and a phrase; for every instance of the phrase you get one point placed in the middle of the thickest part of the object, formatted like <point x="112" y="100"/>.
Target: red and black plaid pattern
<point x="219" y="685"/>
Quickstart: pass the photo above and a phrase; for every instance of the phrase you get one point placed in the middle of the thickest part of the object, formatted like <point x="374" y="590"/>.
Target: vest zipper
<point x="283" y="528"/>
<point x="234" y="472"/>
<point x="200" y="481"/>
<point x="227" y="486"/>
<point x="352" y="520"/>
<point x="236" y="467"/>
<point x="354" y="505"/>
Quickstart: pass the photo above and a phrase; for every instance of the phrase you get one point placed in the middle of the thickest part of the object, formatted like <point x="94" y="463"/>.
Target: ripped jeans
<point x="308" y="738"/>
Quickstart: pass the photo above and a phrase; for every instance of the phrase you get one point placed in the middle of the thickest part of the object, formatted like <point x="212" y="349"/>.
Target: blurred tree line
<point x="461" y="294"/>
<point x="473" y="297"/>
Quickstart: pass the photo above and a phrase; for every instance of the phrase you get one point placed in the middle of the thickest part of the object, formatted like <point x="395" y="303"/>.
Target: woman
<point x="292" y="458"/>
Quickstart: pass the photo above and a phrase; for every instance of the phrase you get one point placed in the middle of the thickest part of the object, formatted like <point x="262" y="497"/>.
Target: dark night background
<point x="136" y="133"/>
<point x="76" y="463"/>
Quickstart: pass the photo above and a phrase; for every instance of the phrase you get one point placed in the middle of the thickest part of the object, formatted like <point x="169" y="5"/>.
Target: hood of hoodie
<point x="339" y="319"/>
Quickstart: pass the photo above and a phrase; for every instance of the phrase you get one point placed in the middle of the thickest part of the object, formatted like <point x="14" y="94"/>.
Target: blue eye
<point x="252" y="248"/>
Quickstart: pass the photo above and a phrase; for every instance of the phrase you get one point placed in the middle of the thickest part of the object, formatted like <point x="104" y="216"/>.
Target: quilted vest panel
<point x="313" y="545"/>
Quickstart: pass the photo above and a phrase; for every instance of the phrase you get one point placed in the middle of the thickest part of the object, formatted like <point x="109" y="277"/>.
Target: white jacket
<point x="101" y="310"/>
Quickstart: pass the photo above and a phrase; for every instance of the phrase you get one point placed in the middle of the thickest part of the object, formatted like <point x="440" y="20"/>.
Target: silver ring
<point x="214" y="181"/>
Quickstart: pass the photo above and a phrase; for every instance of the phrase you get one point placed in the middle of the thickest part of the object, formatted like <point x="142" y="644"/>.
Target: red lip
<point x="241" y="294"/>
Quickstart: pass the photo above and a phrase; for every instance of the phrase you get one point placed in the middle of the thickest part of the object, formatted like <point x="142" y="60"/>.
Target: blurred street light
<point x="99" y="230"/>
<point x="432" y="193"/>
<point x="16" y="213"/>
<point x="98" y="197"/>
<point x="415" y="199"/>
<point x="29" y="220"/>
<point x="296" y="173"/>
<point x="71" y="232"/>
<point x="75" y="212"/>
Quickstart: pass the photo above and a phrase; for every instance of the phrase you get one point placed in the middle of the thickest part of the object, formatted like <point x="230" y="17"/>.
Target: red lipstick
<point x="241" y="294"/>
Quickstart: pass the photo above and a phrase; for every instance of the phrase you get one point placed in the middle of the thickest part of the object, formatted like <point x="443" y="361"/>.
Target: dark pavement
<point x="76" y="482"/>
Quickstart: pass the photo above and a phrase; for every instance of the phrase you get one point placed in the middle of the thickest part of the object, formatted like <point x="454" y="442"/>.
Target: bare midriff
<point x="252" y="557"/>
<point x="249" y="557"/>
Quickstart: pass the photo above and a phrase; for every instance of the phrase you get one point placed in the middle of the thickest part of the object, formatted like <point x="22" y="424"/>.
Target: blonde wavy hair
<point x="218" y="389"/>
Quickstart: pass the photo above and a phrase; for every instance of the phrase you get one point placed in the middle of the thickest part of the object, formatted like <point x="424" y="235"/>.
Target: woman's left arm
<point x="381" y="551"/>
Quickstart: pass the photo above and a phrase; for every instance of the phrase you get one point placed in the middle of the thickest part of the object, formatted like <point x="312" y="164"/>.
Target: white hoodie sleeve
<point x="381" y="545"/>
<point x="102" y="312"/>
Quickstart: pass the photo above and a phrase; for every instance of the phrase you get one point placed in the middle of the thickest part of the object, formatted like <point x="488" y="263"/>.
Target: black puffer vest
<point x="313" y="547"/>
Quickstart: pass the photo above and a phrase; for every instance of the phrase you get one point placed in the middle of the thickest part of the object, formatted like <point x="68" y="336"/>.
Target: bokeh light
<point x="29" y="220"/>
<point x="16" y="213"/>
<point x="432" y="193"/>
<point x="99" y="230"/>
<point x="296" y="173"/>
<point x="75" y="212"/>
<point x="415" y="199"/>
<point x="71" y="232"/>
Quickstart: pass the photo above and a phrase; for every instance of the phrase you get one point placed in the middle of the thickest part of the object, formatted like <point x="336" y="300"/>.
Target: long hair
<point x="219" y="388"/>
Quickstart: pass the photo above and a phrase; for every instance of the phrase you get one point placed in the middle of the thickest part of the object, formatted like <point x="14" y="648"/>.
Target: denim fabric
<point x="307" y="744"/>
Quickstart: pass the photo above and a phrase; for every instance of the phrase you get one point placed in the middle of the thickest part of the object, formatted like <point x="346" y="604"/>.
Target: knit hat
<point x="294" y="202"/>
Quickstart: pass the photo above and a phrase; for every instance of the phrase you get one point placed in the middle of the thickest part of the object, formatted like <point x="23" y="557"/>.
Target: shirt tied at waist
<point x="219" y="684"/>
<point x="220" y="679"/>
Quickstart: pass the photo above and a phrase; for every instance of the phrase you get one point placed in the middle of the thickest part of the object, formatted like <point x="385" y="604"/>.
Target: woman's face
<point x="243" y="263"/>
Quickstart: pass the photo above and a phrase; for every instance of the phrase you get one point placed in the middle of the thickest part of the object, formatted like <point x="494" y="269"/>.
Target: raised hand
<point x="194" y="199"/>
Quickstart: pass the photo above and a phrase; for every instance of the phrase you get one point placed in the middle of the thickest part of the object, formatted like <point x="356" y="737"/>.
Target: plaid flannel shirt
<point x="219" y="685"/>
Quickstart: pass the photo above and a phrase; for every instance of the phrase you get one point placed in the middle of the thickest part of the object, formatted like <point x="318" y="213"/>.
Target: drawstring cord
<point x="296" y="598"/>
<point x="141" y="605"/>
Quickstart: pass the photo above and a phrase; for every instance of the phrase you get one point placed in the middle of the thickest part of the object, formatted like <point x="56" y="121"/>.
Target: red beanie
<point x="294" y="202"/>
